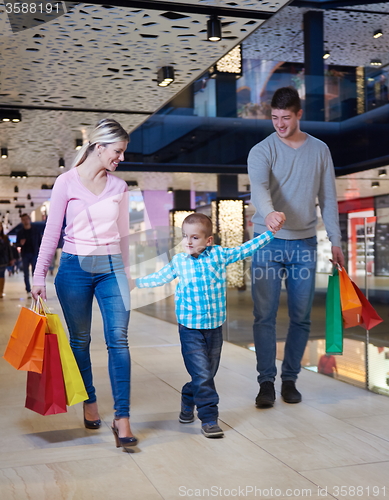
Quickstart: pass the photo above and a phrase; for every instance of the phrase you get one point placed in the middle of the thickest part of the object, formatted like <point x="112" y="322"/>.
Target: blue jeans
<point x="28" y="259"/>
<point x="201" y="350"/>
<point x="78" y="280"/>
<point x="294" y="261"/>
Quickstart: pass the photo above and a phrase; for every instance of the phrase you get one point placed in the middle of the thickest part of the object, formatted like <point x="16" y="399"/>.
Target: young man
<point x="288" y="171"/>
<point x="201" y="310"/>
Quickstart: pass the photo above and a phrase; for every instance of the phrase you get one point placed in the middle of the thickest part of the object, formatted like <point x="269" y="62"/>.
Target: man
<point x="289" y="171"/>
<point x="29" y="239"/>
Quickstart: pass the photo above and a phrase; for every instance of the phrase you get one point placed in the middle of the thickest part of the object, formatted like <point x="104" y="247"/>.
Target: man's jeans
<point x="78" y="280"/>
<point x="201" y="350"/>
<point x="28" y="259"/>
<point x="294" y="261"/>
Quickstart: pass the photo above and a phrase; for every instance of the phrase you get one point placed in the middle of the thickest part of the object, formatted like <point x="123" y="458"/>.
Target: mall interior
<point x="194" y="107"/>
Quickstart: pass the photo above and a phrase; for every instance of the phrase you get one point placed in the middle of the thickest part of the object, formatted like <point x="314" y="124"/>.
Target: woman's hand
<point x="39" y="291"/>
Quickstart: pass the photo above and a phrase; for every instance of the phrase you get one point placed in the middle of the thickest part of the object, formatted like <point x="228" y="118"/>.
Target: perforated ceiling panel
<point x="348" y="36"/>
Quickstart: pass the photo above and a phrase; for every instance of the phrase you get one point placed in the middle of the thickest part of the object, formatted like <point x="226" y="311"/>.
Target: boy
<point x="200" y="299"/>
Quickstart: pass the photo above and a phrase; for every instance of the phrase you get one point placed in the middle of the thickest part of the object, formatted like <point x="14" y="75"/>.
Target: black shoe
<point x="289" y="392"/>
<point x="266" y="395"/>
<point x="124" y="442"/>
<point x="212" y="430"/>
<point x="91" y="424"/>
<point x="186" y="417"/>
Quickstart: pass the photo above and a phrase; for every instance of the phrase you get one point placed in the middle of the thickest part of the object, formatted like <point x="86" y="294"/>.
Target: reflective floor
<point x="334" y="444"/>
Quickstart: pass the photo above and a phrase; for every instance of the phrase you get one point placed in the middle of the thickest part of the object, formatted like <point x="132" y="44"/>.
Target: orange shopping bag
<point x="351" y="304"/>
<point x="369" y="317"/>
<point x="25" y="348"/>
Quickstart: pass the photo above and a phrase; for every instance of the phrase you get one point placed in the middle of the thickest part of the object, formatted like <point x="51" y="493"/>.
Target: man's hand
<point x="132" y="284"/>
<point x="337" y="256"/>
<point x="275" y="220"/>
<point x="22" y="242"/>
<point x="39" y="291"/>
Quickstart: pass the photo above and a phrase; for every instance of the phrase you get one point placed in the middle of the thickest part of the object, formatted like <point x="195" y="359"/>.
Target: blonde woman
<point x="94" y="263"/>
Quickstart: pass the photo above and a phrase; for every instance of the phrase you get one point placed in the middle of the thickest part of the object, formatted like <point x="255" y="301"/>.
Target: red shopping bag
<point x="46" y="391"/>
<point x="25" y="348"/>
<point x="351" y="304"/>
<point x="369" y="317"/>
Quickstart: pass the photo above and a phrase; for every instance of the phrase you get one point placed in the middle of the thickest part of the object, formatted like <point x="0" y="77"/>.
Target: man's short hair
<point x="24" y="215"/>
<point x="198" y="218"/>
<point x="286" y="98"/>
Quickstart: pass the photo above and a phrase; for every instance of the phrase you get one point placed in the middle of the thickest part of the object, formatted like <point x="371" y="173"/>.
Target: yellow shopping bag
<point x="74" y="385"/>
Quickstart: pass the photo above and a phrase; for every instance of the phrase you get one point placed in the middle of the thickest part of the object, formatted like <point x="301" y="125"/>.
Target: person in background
<point x="5" y="257"/>
<point x="94" y="263"/>
<point x="200" y="299"/>
<point x="327" y="365"/>
<point x="28" y="239"/>
<point x="289" y="171"/>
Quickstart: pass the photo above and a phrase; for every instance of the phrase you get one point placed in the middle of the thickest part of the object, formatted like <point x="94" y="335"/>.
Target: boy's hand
<point x="275" y="220"/>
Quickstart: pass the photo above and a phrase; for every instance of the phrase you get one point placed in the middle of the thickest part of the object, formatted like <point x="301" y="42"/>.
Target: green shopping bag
<point x="334" y="323"/>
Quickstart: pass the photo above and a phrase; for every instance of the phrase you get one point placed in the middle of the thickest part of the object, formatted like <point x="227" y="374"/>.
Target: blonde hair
<point x="107" y="131"/>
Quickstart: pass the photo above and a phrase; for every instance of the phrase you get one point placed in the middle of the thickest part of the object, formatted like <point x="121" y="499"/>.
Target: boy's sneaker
<point x="266" y="395"/>
<point x="186" y="415"/>
<point x="212" y="430"/>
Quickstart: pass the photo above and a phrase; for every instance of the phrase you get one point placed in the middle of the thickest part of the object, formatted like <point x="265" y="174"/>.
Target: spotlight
<point x="214" y="29"/>
<point x="78" y="144"/>
<point x="382" y="173"/>
<point x="18" y="174"/>
<point x="169" y="189"/>
<point x="375" y="184"/>
<point x="377" y="34"/>
<point x="165" y="76"/>
<point x="10" y="115"/>
<point x="16" y="189"/>
<point x="4" y="152"/>
<point x="28" y="196"/>
<point x="32" y="204"/>
<point x="326" y="54"/>
<point x="61" y="163"/>
<point x="376" y="62"/>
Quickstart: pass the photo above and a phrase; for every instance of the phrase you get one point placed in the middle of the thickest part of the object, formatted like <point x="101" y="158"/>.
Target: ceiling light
<point x="377" y="34"/>
<point x="61" y="163"/>
<point x="382" y="173"/>
<point x="78" y="144"/>
<point x="165" y="76"/>
<point x="375" y="184"/>
<point x="16" y="189"/>
<point x="169" y="189"/>
<point x="10" y="115"/>
<point x="326" y="54"/>
<point x="18" y="174"/>
<point x="214" y="29"/>
<point x="376" y="62"/>
<point x="4" y="152"/>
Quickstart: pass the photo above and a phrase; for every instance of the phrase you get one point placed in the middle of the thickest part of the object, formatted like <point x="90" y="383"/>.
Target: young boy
<point x="200" y="299"/>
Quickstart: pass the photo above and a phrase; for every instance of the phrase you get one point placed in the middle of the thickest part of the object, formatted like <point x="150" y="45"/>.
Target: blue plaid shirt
<point x="200" y="295"/>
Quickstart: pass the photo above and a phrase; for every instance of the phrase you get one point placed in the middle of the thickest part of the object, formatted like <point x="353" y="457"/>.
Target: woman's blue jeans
<point x="295" y="262"/>
<point x="201" y="350"/>
<point x="78" y="280"/>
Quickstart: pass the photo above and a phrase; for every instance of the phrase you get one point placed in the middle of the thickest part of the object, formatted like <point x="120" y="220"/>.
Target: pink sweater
<point x="95" y="225"/>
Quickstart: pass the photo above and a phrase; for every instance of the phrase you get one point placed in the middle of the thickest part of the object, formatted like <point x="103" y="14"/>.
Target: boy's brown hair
<point x="198" y="218"/>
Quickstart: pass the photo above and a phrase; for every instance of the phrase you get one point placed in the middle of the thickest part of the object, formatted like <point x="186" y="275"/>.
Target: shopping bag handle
<point x="39" y="306"/>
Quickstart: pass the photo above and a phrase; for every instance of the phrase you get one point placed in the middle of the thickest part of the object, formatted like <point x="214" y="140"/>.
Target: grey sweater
<point x="290" y="180"/>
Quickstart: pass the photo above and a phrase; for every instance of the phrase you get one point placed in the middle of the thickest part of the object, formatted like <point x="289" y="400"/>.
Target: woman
<point x="5" y="257"/>
<point x="94" y="262"/>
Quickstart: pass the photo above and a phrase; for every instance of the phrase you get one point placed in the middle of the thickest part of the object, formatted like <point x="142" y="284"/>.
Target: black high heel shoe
<point x="91" y="424"/>
<point x="125" y="442"/>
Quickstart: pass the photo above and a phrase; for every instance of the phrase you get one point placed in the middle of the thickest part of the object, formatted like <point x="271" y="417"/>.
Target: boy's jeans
<point x="78" y="280"/>
<point x="201" y="350"/>
<point x="294" y="261"/>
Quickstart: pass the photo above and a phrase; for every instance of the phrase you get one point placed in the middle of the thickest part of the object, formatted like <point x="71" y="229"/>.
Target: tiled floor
<point x="335" y="444"/>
